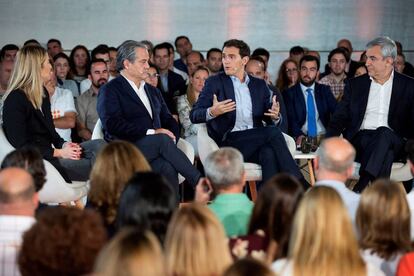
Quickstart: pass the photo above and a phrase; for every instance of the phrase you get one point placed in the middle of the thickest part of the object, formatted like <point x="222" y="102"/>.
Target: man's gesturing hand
<point x="222" y="107"/>
<point x="274" y="110"/>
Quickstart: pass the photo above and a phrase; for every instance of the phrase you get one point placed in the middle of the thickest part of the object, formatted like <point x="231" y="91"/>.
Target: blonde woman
<point x="131" y="253"/>
<point x="323" y="240"/>
<point x="27" y="117"/>
<point x="115" y="165"/>
<point x="383" y="222"/>
<point x="185" y="103"/>
<point x="196" y="243"/>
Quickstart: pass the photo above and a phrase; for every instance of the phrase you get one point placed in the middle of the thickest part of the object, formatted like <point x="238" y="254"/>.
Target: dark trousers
<point x="376" y="151"/>
<point x="165" y="158"/>
<point x="267" y="147"/>
<point x="79" y="170"/>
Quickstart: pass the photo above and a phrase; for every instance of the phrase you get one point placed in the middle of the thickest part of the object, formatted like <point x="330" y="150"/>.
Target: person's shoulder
<point x="16" y="95"/>
<point x="62" y="92"/>
<point x="403" y="77"/>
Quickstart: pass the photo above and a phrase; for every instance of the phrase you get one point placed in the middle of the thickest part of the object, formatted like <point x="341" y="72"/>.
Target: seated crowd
<point x="145" y="105"/>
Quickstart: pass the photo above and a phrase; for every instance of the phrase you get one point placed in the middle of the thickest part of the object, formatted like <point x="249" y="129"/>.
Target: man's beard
<point x="100" y="83"/>
<point x="308" y="83"/>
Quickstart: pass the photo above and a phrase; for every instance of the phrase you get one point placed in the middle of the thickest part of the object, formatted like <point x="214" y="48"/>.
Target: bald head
<point x="336" y="155"/>
<point x="16" y="186"/>
<point x="345" y="43"/>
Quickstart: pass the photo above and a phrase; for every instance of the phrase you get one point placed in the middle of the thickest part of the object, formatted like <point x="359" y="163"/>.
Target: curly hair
<point x="282" y="81"/>
<point x="63" y="241"/>
<point x="115" y="165"/>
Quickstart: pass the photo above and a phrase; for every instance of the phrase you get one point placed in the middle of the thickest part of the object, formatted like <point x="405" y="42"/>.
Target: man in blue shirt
<point x="235" y="107"/>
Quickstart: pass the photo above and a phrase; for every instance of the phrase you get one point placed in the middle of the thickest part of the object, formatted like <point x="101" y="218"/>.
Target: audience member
<point x="79" y="62"/>
<point x="361" y="69"/>
<point x="147" y="203"/>
<point x="171" y="63"/>
<point x="248" y="267"/>
<point x="375" y="113"/>
<point x="213" y="61"/>
<point x="6" y="68"/>
<point x="171" y="84"/>
<point x="256" y="67"/>
<point x="323" y="241"/>
<point x="351" y="64"/>
<point x="18" y="202"/>
<point x="133" y="111"/>
<point x="193" y="61"/>
<point x="337" y="60"/>
<point x="184" y="47"/>
<point x="54" y="47"/>
<point x="363" y="57"/>
<point x="241" y="125"/>
<point x="63" y="74"/>
<point x="30" y="160"/>
<point x="9" y="52"/>
<point x="115" y="165"/>
<point x="288" y="75"/>
<point x="310" y="105"/>
<point x="265" y="55"/>
<point x="32" y="42"/>
<point x="334" y="165"/>
<point x="112" y="62"/>
<point x="186" y="102"/>
<point x="27" y="117"/>
<point x="62" y="107"/>
<point x="196" y="244"/>
<point x="153" y="76"/>
<point x="86" y="103"/>
<point x="399" y="64"/>
<point x="383" y="223"/>
<point x="408" y="67"/>
<point x="131" y="252"/>
<point x="63" y="241"/>
<point x="314" y="53"/>
<point x="271" y="221"/>
<point x="296" y="53"/>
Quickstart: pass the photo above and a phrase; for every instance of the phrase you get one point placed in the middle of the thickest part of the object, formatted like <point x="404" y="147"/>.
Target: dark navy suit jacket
<point x="350" y="112"/>
<point x="222" y="86"/>
<point x="297" y="111"/>
<point x="125" y="117"/>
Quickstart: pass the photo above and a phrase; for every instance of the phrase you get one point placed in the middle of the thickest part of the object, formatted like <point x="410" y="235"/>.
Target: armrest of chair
<point x="291" y="144"/>
<point x="97" y="132"/>
<point x="205" y="144"/>
<point x="187" y="148"/>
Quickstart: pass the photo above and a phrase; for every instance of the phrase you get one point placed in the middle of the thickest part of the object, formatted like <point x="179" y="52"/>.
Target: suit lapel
<point x="362" y="94"/>
<point x="228" y="88"/>
<point x="395" y="94"/>
<point x="129" y="90"/>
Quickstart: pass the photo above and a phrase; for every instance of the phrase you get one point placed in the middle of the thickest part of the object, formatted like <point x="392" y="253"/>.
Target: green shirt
<point x="233" y="211"/>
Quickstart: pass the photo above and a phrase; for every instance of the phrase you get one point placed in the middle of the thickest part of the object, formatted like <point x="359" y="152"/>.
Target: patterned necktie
<point x="311" y="114"/>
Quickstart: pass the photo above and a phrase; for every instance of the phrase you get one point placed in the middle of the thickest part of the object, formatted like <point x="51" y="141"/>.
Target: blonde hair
<point x="196" y="243"/>
<point x="323" y="240"/>
<point x="27" y="74"/>
<point x="383" y="219"/>
<point x="131" y="253"/>
<point x="191" y="97"/>
<point x="115" y="165"/>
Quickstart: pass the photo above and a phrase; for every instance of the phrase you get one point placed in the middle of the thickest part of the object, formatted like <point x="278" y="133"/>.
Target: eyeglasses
<point x="291" y="70"/>
<point x="153" y="76"/>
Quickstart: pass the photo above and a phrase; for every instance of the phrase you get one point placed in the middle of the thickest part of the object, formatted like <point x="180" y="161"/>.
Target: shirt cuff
<point x="208" y="115"/>
<point x="279" y="120"/>
<point x="150" y="131"/>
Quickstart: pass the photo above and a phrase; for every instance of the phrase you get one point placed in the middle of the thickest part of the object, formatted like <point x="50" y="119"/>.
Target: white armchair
<point x="56" y="189"/>
<point x="206" y="145"/>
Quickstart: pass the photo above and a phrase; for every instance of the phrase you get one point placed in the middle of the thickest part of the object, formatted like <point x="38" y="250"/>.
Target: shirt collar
<point x="236" y="79"/>
<point x="134" y="86"/>
<point x="390" y="78"/>
<point x="305" y="87"/>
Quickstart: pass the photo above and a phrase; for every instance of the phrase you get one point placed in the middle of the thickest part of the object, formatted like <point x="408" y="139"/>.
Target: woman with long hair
<point x="323" y="240"/>
<point x="79" y="62"/>
<point x="271" y="220"/>
<point x="288" y="75"/>
<point x="196" y="243"/>
<point x="115" y="165"/>
<point x="63" y="74"/>
<point x="27" y="117"/>
<point x="186" y="102"/>
<point x="383" y="222"/>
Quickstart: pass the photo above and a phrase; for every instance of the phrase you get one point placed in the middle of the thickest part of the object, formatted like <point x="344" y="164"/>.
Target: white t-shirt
<point x="60" y="103"/>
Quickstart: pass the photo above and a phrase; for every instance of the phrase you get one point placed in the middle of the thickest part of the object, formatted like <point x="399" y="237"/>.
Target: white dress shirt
<point x="376" y="114"/>
<point x="142" y="95"/>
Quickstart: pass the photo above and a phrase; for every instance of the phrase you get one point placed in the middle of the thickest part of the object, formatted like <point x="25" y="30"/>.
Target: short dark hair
<point x="296" y="50"/>
<point x="32" y="41"/>
<point x="29" y="159"/>
<point x="54" y="40"/>
<point x="160" y="46"/>
<point x="199" y="54"/>
<point x="8" y="47"/>
<point x="112" y="48"/>
<point x="244" y="49"/>
<point x="95" y="60"/>
<point x="339" y="50"/>
<point x="147" y="202"/>
<point x="213" y="50"/>
<point x="261" y="52"/>
<point x="126" y="51"/>
<point x="100" y="49"/>
<point x="307" y="58"/>
<point x="180" y="37"/>
<point x="259" y="59"/>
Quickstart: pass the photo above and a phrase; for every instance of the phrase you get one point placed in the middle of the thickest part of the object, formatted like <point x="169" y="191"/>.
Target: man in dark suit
<point x="310" y="105"/>
<point x="234" y="106"/>
<point x="134" y="111"/>
<point x="171" y="84"/>
<point x="376" y="114"/>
